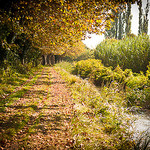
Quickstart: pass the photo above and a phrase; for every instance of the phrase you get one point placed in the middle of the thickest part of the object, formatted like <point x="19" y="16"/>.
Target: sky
<point x="96" y="39"/>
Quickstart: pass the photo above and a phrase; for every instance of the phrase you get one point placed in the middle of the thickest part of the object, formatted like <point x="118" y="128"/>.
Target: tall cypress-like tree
<point x="113" y="31"/>
<point x="145" y="20"/>
<point x="128" y="19"/>
<point x="140" y="17"/>
<point x="117" y="26"/>
<point x="121" y="25"/>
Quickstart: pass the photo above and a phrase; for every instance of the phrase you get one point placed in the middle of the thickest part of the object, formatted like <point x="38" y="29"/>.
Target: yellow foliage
<point x="66" y="22"/>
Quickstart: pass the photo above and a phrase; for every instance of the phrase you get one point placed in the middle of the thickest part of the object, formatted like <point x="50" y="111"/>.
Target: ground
<point x="41" y="117"/>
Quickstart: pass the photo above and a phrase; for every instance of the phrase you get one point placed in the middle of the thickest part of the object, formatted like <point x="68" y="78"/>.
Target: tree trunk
<point x="49" y="59"/>
<point x="52" y="59"/>
<point x="45" y="58"/>
<point x="57" y="58"/>
<point x="145" y="21"/>
<point x="116" y="27"/>
<point x="61" y="58"/>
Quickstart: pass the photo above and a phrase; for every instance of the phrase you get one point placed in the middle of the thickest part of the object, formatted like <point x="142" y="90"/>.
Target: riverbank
<point x="110" y="94"/>
<point x="98" y="123"/>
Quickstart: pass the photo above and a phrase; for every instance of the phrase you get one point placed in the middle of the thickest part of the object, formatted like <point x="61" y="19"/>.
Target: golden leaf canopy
<point x="59" y="24"/>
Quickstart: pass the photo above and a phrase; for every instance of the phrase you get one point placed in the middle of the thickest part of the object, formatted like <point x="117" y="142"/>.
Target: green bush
<point x="136" y="85"/>
<point x="148" y="71"/>
<point x="85" y="67"/>
<point x="101" y="75"/>
<point x="137" y="81"/>
<point x="98" y="73"/>
<point x="139" y="96"/>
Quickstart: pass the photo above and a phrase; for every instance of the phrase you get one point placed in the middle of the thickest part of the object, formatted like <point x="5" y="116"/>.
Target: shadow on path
<point x="40" y="118"/>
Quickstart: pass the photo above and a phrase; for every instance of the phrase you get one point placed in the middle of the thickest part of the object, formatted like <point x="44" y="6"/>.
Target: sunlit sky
<point x="96" y="39"/>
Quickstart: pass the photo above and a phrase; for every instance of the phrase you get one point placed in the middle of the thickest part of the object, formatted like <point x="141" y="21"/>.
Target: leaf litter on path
<point x="41" y="119"/>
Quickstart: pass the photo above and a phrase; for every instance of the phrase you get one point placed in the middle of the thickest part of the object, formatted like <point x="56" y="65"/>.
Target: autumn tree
<point x="54" y="22"/>
<point x="55" y="26"/>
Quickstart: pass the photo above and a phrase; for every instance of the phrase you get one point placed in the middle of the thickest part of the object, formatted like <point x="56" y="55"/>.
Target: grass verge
<point x="10" y="83"/>
<point x="100" y="118"/>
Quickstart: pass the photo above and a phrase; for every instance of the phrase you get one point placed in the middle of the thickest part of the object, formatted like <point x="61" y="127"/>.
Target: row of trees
<point x="121" y="25"/>
<point x="50" y="27"/>
<point x="143" y="18"/>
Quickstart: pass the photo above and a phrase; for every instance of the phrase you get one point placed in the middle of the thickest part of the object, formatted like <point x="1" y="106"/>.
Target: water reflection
<point x="142" y="123"/>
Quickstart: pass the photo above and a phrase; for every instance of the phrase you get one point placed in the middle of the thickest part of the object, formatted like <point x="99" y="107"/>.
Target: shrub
<point x="136" y="85"/>
<point x="85" y="67"/>
<point x="137" y="81"/>
<point x="148" y="71"/>
<point x="101" y="75"/>
<point x="98" y="73"/>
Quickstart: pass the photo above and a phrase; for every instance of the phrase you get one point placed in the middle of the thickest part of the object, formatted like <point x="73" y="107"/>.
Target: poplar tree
<point x="145" y="20"/>
<point x="140" y="17"/>
<point x="128" y="19"/>
<point x="113" y="31"/>
<point x="116" y="25"/>
<point x="121" y="25"/>
<point x="117" y="29"/>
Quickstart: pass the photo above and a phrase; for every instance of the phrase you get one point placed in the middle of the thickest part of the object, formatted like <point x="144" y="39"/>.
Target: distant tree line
<point x="121" y="26"/>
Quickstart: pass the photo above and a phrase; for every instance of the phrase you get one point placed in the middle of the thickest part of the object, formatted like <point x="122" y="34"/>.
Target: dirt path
<point x="41" y="119"/>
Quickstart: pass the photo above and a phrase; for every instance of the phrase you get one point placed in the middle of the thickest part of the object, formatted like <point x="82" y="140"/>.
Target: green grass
<point x="100" y="120"/>
<point x="13" y="96"/>
<point x="65" y="65"/>
<point x="10" y="82"/>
